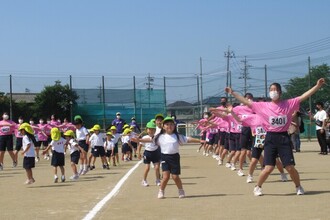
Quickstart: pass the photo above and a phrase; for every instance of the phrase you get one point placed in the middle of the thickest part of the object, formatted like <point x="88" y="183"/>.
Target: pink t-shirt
<point x="242" y="110"/>
<point x="17" y="132"/>
<point x="223" y="125"/>
<point x="42" y="131"/>
<point x="253" y="121"/>
<point x="278" y="116"/>
<point x="67" y="126"/>
<point x="5" y="128"/>
<point x="234" y="126"/>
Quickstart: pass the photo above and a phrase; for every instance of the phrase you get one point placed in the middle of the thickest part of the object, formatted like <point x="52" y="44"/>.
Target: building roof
<point x="23" y="97"/>
<point x="180" y="104"/>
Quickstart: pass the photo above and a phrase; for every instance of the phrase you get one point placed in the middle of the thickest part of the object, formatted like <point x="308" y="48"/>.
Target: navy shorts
<point x="115" y="149"/>
<point x="57" y="159"/>
<point x="203" y="136"/>
<point x="108" y="153"/>
<point x="226" y="142"/>
<point x="234" y="142"/>
<point x="216" y="138"/>
<point x="151" y="156"/>
<point x="246" y="138"/>
<point x="75" y="156"/>
<point x="29" y="162"/>
<point x="211" y="139"/>
<point x="256" y="152"/>
<point x="83" y="145"/>
<point x="134" y="144"/>
<point x="222" y="137"/>
<point x="126" y="148"/>
<point x="6" y="142"/>
<point x="19" y="144"/>
<point x="278" y="144"/>
<point x="44" y="143"/>
<point x="98" y="151"/>
<point x="171" y="163"/>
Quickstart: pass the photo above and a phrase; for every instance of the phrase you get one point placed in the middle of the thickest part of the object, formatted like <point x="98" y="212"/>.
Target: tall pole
<point x="201" y="76"/>
<point x="310" y="97"/>
<point x="134" y="89"/>
<point x="165" y="94"/>
<point x="198" y="100"/>
<point x="266" y="86"/>
<point x="229" y="54"/>
<point x="71" y="108"/>
<point x="11" y="98"/>
<point x="103" y="102"/>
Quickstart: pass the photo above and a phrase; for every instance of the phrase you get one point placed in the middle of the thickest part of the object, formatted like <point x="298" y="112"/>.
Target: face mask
<point x="274" y="95"/>
<point x="41" y="121"/>
<point x="20" y="121"/>
<point x="5" y="117"/>
<point x="206" y="116"/>
<point x="118" y="116"/>
<point x="31" y="122"/>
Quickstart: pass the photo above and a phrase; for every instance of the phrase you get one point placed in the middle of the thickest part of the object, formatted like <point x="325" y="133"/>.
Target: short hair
<point x="277" y="85"/>
<point x="320" y="103"/>
<point x="248" y="94"/>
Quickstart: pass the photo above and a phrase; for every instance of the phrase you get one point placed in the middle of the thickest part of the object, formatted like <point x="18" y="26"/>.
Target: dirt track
<point x="213" y="192"/>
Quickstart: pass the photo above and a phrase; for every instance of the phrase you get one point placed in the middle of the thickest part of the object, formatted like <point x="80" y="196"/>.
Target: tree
<point x="298" y="86"/>
<point x="4" y="103"/>
<point x="56" y="99"/>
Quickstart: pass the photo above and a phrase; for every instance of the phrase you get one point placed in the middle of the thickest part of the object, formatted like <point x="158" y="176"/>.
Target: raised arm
<point x="238" y="96"/>
<point x="313" y="90"/>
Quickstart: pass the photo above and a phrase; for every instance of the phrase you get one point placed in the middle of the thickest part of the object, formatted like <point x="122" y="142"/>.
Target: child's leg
<point x="113" y="160"/>
<point x="177" y="181"/>
<point x="146" y="171"/>
<point x="62" y="170"/>
<point x="157" y="171"/>
<point x="74" y="168"/>
<point x="29" y="174"/>
<point x="165" y="179"/>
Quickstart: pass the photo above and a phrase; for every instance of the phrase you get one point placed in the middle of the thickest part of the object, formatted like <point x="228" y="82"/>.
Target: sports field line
<point x="92" y="213"/>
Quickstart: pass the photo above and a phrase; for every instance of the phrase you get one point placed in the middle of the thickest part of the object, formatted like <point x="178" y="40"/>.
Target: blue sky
<point x="164" y="38"/>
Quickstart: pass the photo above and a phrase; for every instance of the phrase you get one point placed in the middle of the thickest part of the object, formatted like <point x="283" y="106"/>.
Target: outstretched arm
<point x="313" y="90"/>
<point x="238" y="96"/>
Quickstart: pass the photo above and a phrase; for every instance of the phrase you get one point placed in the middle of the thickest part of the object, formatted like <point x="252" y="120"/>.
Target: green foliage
<point x="56" y="99"/>
<point x="298" y="86"/>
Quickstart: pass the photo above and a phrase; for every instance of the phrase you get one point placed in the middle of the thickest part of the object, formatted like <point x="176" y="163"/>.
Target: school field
<point x="212" y="192"/>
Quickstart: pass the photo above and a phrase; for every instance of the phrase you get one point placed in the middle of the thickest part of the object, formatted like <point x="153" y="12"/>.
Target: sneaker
<point x="217" y="157"/>
<point x="204" y="153"/>
<point x="284" y="178"/>
<point x="214" y="156"/>
<point x="135" y="156"/>
<point x="158" y="182"/>
<point x="197" y="150"/>
<point x="300" y="190"/>
<point x="181" y="194"/>
<point x="84" y="172"/>
<point x="104" y="166"/>
<point x="108" y="167"/>
<point x="14" y="164"/>
<point x="37" y="159"/>
<point x="62" y="179"/>
<point x="28" y="182"/>
<point x="92" y="167"/>
<point x="80" y="172"/>
<point x="257" y="191"/>
<point x="161" y="194"/>
<point x="220" y="162"/>
<point x="56" y="180"/>
<point x="228" y="165"/>
<point x="249" y="179"/>
<point x="144" y="183"/>
<point x="232" y="167"/>
<point x="74" y="177"/>
<point x="240" y="172"/>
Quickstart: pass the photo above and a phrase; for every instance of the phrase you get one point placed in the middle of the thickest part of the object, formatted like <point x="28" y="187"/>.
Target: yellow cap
<point x="69" y="133"/>
<point x="55" y="134"/>
<point x="127" y="131"/>
<point x="113" y="127"/>
<point x="109" y="133"/>
<point x="126" y="126"/>
<point x="27" y="127"/>
<point x="96" y="127"/>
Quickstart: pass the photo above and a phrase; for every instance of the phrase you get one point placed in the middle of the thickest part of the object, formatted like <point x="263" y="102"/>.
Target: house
<point x="23" y="97"/>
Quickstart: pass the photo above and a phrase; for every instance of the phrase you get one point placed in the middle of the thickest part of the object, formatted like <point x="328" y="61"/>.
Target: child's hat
<point x="109" y="133"/>
<point x="127" y="131"/>
<point x="96" y="127"/>
<point x="55" y="134"/>
<point x="151" y="124"/>
<point x="159" y="116"/>
<point x="69" y="133"/>
<point x="167" y="119"/>
<point x="113" y="127"/>
<point x="118" y="113"/>
<point x="77" y="117"/>
<point x="126" y="126"/>
<point x="27" y="127"/>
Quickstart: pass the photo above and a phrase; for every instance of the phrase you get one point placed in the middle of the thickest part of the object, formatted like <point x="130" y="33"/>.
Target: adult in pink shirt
<point x="66" y="125"/>
<point x="277" y="116"/>
<point x="54" y="122"/>
<point x="42" y="131"/>
<point x="19" y="140"/>
<point x="7" y="129"/>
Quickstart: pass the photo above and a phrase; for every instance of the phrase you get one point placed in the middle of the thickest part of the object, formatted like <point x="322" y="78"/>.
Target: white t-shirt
<point x="58" y="146"/>
<point x="125" y="139"/>
<point x="321" y="116"/>
<point x="109" y="145"/>
<point x="157" y="130"/>
<point x="115" y="138"/>
<point x="169" y="143"/>
<point x="26" y="142"/>
<point x="73" y="146"/>
<point x="97" y="139"/>
<point x="149" y="146"/>
<point x="81" y="134"/>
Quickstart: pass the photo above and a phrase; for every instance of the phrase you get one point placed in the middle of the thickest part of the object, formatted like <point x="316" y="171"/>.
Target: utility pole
<point x="201" y="76"/>
<point x="310" y="97"/>
<point x="245" y="74"/>
<point x="229" y="54"/>
<point x="266" y="89"/>
<point x="149" y="84"/>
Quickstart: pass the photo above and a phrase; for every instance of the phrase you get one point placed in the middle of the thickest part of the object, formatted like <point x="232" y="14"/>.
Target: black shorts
<point x="171" y="163"/>
<point x="278" y="144"/>
<point x="126" y="148"/>
<point x="44" y="143"/>
<point x="98" y="151"/>
<point x="134" y="144"/>
<point x="75" y="156"/>
<point x="108" y="153"/>
<point x="151" y="156"/>
<point x="222" y="137"/>
<point x="29" y="162"/>
<point x="246" y="138"/>
<point x="83" y="145"/>
<point x="256" y="152"/>
<point x="211" y="140"/>
<point x="226" y="141"/>
<point x="203" y="136"/>
<point x="234" y="142"/>
<point x="115" y="149"/>
<point x="217" y="138"/>
<point x="57" y="159"/>
<point x="6" y="142"/>
<point x="19" y="143"/>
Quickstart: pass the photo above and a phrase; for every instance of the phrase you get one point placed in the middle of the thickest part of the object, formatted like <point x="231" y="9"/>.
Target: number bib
<point x="5" y="129"/>
<point x="260" y="137"/>
<point x="278" y="121"/>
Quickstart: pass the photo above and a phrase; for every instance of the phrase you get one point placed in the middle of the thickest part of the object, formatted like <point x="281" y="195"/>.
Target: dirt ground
<point x="212" y="192"/>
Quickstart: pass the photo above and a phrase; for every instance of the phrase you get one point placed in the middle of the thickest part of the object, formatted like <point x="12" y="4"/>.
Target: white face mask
<point x="274" y="95"/>
<point x="5" y="117"/>
<point x="20" y="121"/>
<point x="41" y="121"/>
<point x="206" y="116"/>
<point x="118" y="116"/>
<point x="31" y="122"/>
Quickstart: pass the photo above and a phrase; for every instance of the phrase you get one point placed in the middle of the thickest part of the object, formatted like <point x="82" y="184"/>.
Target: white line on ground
<point x="113" y="192"/>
